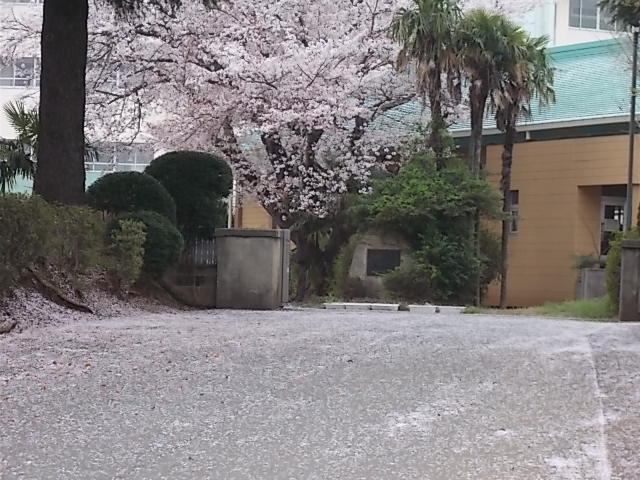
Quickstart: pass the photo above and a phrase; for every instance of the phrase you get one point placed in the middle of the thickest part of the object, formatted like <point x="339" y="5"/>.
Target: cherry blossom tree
<point x="302" y="97"/>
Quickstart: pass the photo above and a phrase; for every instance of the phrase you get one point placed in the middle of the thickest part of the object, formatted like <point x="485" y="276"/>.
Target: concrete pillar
<point x="630" y="281"/>
<point x="253" y="268"/>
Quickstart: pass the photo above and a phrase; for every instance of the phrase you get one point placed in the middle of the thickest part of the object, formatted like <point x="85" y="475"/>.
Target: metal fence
<point x="199" y="252"/>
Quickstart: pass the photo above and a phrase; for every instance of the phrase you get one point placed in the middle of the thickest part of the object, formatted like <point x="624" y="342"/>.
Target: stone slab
<point x="385" y="307"/>
<point x="450" y="310"/>
<point x="334" y="306"/>
<point x="428" y="309"/>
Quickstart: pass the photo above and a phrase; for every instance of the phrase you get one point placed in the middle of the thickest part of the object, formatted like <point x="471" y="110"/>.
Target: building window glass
<point x="24" y="72"/>
<point x="587" y="14"/>
<point x="120" y="157"/>
<point x="515" y="207"/>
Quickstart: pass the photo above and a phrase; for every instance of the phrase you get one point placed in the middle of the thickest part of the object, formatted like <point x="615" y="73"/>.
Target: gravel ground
<point x="320" y="395"/>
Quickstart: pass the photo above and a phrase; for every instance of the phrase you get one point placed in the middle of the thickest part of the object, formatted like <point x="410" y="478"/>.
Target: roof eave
<point x="552" y="125"/>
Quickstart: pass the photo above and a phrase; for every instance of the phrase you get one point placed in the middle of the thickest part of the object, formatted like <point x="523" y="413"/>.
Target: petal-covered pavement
<point x="314" y="394"/>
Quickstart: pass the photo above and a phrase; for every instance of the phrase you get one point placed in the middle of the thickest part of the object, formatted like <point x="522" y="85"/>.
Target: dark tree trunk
<point x="437" y="120"/>
<point x="478" y="95"/>
<point x="505" y="186"/>
<point x="60" y="175"/>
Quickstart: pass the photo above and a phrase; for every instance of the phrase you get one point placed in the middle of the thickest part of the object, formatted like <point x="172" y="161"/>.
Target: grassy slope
<point x="590" y="309"/>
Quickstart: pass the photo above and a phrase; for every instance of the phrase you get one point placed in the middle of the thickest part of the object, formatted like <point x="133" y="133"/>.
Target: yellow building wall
<point x="559" y="211"/>
<point x="253" y="215"/>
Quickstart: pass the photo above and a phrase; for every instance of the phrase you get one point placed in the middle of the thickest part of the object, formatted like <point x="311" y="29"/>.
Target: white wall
<point x="8" y="94"/>
<point x="551" y="18"/>
<point x="567" y="35"/>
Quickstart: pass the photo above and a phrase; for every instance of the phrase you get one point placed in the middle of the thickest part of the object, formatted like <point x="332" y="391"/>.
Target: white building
<point x="570" y="21"/>
<point x="20" y="81"/>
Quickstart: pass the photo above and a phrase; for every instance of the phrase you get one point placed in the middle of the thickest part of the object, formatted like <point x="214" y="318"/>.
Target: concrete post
<point x="630" y="282"/>
<point x="253" y="268"/>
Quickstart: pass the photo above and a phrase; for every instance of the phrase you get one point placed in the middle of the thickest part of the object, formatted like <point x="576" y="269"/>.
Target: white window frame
<point x="110" y="150"/>
<point x="598" y="18"/>
<point x="34" y="81"/>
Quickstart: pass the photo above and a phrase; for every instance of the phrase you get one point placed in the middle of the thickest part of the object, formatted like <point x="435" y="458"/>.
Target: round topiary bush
<point x="130" y="192"/>
<point x="163" y="244"/>
<point x="199" y="183"/>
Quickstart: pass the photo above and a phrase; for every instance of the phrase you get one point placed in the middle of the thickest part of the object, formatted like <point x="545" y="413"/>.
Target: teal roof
<point x="592" y="81"/>
<point x="24" y="185"/>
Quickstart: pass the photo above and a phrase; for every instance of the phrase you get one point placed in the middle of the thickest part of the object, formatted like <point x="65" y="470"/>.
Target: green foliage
<point x="587" y="261"/>
<point x="76" y="239"/>
<point x="434" y="210"/>
<point x="25" y="225"/>
<point x="127" y="251"/>
<point x="444" y="269"/>
<point x="122" y="192"/>
<point x="422" y="200"/>
<point x="341" y="266"/>
<point x="591" y="309"/>
<point x="69" y="238"/>
<point x="614" y="265"/>
<point x="199" y="183"/>
<point x="17" y="156"/>
<point x="163" y="244"/>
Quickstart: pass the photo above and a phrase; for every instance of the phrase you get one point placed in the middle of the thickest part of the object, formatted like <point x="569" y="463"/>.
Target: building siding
<point x="559" y="209"/>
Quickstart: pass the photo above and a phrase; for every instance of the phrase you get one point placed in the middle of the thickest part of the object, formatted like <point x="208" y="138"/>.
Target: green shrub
<point x="614" y="266"/>
<point x="409" y="282"/>
<point x="199" y="183"/>
<point x="76" y="240"/>
<point x="127" y="252"/>
<point x="122" y="192"/>
<point x="69" y="238"/>
<point x="26" y="223"/>
<point x="590" y="308"/>
<point x="163" y="244"/>
<point x="434" y="209"/>
<point x="341" y="267"/>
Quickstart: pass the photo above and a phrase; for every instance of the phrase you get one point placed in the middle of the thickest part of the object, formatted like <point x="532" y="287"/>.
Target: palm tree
<point x="488" y="44"/>
<point x="529" y="77"/>
<point x="427" y="34"/>
<point x="625" y="11"/>
<point x="17" y="157"/>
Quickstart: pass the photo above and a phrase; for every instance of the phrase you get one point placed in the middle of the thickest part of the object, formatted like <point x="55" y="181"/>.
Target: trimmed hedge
<point x="199" y="183"/>
<point x="163" y="244"/>
<point x="122" y="192"/>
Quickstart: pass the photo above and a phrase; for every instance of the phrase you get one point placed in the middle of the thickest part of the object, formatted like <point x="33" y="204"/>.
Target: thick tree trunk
<point x="60" y="174"/>
<point x="478" y="95"/>
<point x="505" y="186"/>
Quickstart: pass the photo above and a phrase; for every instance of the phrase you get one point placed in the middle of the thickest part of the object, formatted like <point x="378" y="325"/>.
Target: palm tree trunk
<point x="505" y="186"/>
<point x="478" y="95"/>
<point x="60" y="174"/>
<point x="437" y="119"/>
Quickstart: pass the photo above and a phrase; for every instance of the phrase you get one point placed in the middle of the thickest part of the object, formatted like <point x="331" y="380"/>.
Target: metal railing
<point x="199" y="252"/>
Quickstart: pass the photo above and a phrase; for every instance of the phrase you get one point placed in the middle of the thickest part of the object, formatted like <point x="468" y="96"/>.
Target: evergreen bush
<point x="163" y="244"/>
<point x="199" y="184"/>
<point x="122" y="192"/>
<point x="126" y="251"/>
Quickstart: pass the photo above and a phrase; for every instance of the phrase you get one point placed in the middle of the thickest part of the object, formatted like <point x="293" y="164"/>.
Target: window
<point x="515" y="207"/>
<point x="381" y="261"/>
<point x="24" y="72"/>
<point x="119" y="157"/>
<point x="587" y="14"/>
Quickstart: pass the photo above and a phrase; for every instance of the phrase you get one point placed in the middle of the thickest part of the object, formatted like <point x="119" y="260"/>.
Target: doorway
<point x="611" y="220"/>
